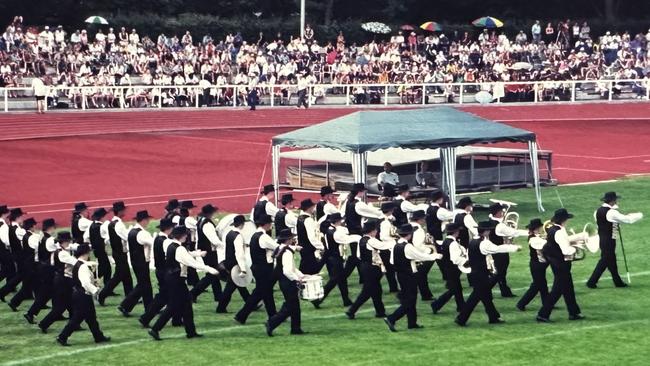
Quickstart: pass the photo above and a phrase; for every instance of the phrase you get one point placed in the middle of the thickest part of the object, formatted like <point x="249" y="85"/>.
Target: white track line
<point x="592" y="170"/>
<point x="602" y="157"/>
<point x="573" y="119"/>
<point x="219" y="140"/>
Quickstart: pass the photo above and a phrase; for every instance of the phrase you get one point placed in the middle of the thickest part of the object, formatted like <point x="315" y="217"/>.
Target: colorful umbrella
<point x="376" y="27"/>
<point x="431" y="27"/>
<point x="407" y="27"/>
<point x="488" y="22"/>
<point x="96" y="20"/>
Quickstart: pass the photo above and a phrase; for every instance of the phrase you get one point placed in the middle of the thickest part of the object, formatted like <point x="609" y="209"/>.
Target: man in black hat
<point x="97" y="236"/>
<point x="464" y="219"/>
<point x="265" y="204"/>
<point x="419" y="241"/>
<point x="15" y="234"/>
<point x="480" y="278"/>
<point x="368" y="252"/>
<point x="261" y="251"/>
<point x="437" y="213"/>
<point x="171" y="209"/>
<point x="44" y="269"/>
<point x="184" y="217"/>
<point x="386" y="233"/>
<point x="83" y="307"/>
<point x="498" y="236"/>
<point x="6" y="262"/>
<point x="27" y="265"/>
<point x="311" y="256"/>
<point x="290" y="281"/>
<point x="140" y="244"/>
<point x="118" y="237"/>
<point x="403" y="257"/>
<point x="404" y="207"/>
<point x="336" y="238"/>
<point x="208" y="241"/>
<point x="234" y="255"/>
<point x="179" y="303"/>
<point x="538" y="265"/>
<point x="449" y="265"/>
<point x="160" y="299"/>
<point x="285" y="218"/>
<point x="558" y="251"/>
<point x="608" y="219"/>
<point x="325" y="206"/>
<point x="80" y="222"/>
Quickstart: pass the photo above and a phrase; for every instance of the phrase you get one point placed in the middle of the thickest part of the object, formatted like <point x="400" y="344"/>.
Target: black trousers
<point x="502" y="262"/>
<point x="179" y="304"/>
<point x="226" y="295"/>
<point x="309" y="264"/>
<point x="12" y="282"/>
<point x="390" y="271"/>
<point x="423" y="280"/>
<point x="104" y="269"/>
<point x="83" y="309"/>
<point x="539" y="285"/>
<point x="264" y="281"/>
<point x="454" y="288"/>
<point x="7" y="264"/>
<point x="192" y="276"/>
<point x="371" y="289"/>
<point x="408" y="299"/>
<point x="27" y="289"/>
<point x="337" y="277"/>
<point x="607" y="262"/>
<point x="482" y="292"/>
<point x="208" y="280"/>
<point x="122" y="275"/>
<point x="562" y="287"/>
<point x="302" y="98"/>
<point x="61" y="301"/>
<point x="290" y="308"/>
<point x="159" y="301"/>
<point x="44" y="288"/>
<point x="141" y="290"/>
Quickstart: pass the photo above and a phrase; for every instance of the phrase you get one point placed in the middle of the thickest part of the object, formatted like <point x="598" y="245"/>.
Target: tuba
<point x="510" y="218"/>
<point x="585" y="241"/>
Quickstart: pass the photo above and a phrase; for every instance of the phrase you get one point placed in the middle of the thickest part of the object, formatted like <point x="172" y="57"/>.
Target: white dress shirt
<point x="103" y="232"/>
<point x="390" y="178"/>
<point x="375" y="244"/>
<point x="210" y="232"/>
<point x="457" y="252"/>
<point x="443" y="214"/>
<point x="267" y="242"/>
<point x="68" y="259"/>
<point x="385" y="229"/>
<point x="469" y="223"/>
<point x="33" y="242"/>
<point x="4" y="233"/>
<point x="50" y="244"/>
<point x="342" y="237"/>
<point x="329" y="209"/>
<point x="487" y="247"/>
<point x="122" y="232"/>
<point x="20" y="232"/>
<point x="145" y="239"/>
<point x="270" y="208"/>
<point x="310" y="228"/>
<point x="289" y="267"/>
<point x="186" y="259"/>
<point x="363" y="209"/>
<point x="419" y="237"/>
<point x="506" y="231"/>
<point x="408" y="206"/>
<point x="240" y="250"/>
<point x="190" y="221"/>
<point x="291" y="220"/>
<point x="563" y="240"/>
<point x="414" y="254"/>
<point x="614" y="216"/>
<point x="83" y="224"/>
<point x="86" y="278"/>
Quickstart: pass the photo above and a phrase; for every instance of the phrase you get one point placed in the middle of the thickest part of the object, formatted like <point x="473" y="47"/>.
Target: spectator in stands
<point x="536" y="32"/>
<point x="40" y="92"/>
<point x="387" y="180"/>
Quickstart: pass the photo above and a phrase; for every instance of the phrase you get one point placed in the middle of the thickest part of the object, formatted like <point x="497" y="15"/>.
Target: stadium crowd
<point x="122" y="57"/>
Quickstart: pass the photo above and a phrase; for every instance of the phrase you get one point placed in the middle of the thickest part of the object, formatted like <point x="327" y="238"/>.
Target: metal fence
<point x="194" y="96"/>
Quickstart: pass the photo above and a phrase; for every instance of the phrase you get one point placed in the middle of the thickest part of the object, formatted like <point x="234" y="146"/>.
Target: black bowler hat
<point x="172" y="204"/>
<point x="64" y="236"/>
<point x="187" y="204"/>
<point x="307" y="204"/>
<point x="15" y="213"/>
<point x="495" y="207"/>
<point x="268" y="189"/>
<point x="406" y="229"/>
<point x="418" y="215"/>
<point x="485" y="226"/>
<point x="209" y="209"/>
<point x="4" y="209"/>
<point x="403" y="188"/>
<point x="118" y="206"/>
<point x="165" y="224"/>
<point x="610" y="197"/>
<point x="142" y="215"/>
<point x="325" y="190"/>
<point x="284" y="235"/>
<point x="335" y="217"/>
<point x="437" y="195"/>
<point x="369" y="226"/>
<point x="48" y="223"/>
<point x="81" y="250"/>
<point x="287" y="198"/>
<point x="452" y="228"/>
<point x="263" y="220"/>
<point x="178" y="232"/>
<point x="358" y="187"/>
<point x="99" y="213"/>
<point x="534" y="224"/>
<point x="561" y="216"/>
<point x="80" y="206"/>
<point x="239" y="220"/>
<point x="464" y="202"/>
<point x="29" y="223"/>
<point x="387" y="207"/>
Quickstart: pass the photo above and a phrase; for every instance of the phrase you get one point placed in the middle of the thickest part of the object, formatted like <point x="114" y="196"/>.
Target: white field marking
<point x="604" y="157"/>
<point x="592" y="170"/>
<point x="589" y="183"/>
<point x="218" y="140"/>
<point x="138" y="197"/>
<point x="574" y="119"/>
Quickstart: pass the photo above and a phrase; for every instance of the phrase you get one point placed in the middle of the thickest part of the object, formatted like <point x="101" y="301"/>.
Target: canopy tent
<point x="443" y="127"/>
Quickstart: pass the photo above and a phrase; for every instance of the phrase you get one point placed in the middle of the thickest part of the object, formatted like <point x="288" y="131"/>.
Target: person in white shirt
<point x="404" y="207"/>
<point x="481" y="278"/>
<point x="404" y="257"/>
<point x="419" y="241"/>
<point x="538" y="266"/>
<point x="234" y="255"/>
<point x="437" y="214"/>
<point x="26" y="265"/>
<point x="118" y="237"/>
<point x="97" y="236"/>
<point x="286" y="218"/>
<point x="140" y="244"/>
<point x="609" y="219"/>
<point x="40" y="92"/>
<point x="44" y="271"/>
<point x="387" y="180"/>
<point x="265" y="205"/>
<point x="83" y="307"/>
<point x="209" y="242"/>
<point x="185" y="217"/>
<point x="15" y="235"/>
<point x="463" y="217"/>
<point x="80" y="222"/>
<point x="325" y="206"/>
<point x="306" y="229"/>
<point x="558" y="252"/>
<point x="453" y="257"/>
<point x="302" y="88"/>
<point x="290" y="281"/>
<point x="6" y="262"/>
<point x="387" y="234"/>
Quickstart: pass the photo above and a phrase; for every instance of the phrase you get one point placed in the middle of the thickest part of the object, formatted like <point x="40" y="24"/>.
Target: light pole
<point x="302" y="19"/>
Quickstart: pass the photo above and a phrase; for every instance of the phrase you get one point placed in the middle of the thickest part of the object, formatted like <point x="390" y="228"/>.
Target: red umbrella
<point x="407" y="27"/>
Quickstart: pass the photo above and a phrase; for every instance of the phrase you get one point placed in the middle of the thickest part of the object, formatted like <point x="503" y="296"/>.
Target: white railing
<point x="340" y="94"/>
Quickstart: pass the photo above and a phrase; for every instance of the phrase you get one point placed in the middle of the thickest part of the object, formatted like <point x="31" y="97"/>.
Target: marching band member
<point x="464" y="219"/>
<point x="179" y="303"/>
<point x="26" y="266"/>
<point x="118" y="237"/>
<point x="608" y="219"/>
<point x="171" y="209"/>
<point x="558" y="245"/>
<point x="285" y="218"/>
<point x="403" y="206"/>
<point x="265" y="204"/>
<point x="44" y="270"/>
<point x="336" y="238"/>
<point x="437" y="214"/>
<point x="83" y="307"/>
<point x="419" y="241"/>
<point x="290" y="279"/>
<point x="538" y="266"/>
<point x="371" y="270"/>
<point x="385" y="231"/>
<point x="97" y="236"/>
<point x="403" y="256"/>
<point x="235" y="255"/>
<point x="209" y="242"/>
<point x="497" y="235"/>
<point x="480" y="278"/>
<point x="15" y="234"/>
<point x="325" y="206"/>
<point x="185" y="218"/>
<point x="7" y="268"/>
<point x="261" y="251"/>
<point x="140" y="242"/>
<point x="312" y="248"/>
<point x="80" y="222"/>
<point x="454" y="255"/>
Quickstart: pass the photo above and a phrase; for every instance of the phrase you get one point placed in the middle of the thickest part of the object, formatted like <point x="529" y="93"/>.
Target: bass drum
<point x="225" y="225"/>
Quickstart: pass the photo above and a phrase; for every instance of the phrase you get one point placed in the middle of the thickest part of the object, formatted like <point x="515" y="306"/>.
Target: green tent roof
<point x="410" y="129"/>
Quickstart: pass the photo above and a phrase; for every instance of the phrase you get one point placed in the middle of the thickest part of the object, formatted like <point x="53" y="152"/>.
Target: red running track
<point x="219" y="156"/>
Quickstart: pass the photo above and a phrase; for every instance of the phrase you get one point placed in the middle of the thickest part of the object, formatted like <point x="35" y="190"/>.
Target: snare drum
<point x="312" y="288"/>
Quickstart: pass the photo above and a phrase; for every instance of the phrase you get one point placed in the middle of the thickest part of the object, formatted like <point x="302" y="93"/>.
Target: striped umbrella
<point x="488" y="22"/>
<point x="431" y="27"/>
<point x="96" y="20"/>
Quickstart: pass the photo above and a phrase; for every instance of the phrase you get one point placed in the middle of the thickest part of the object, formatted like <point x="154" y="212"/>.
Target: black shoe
<point x="103" y="339"/>
<point x="2" y="298"/>
<point x="13" y="307"/>
<point x="521" y="307"/>
<point x="542" y="319"/>
<point x="298" y="332"/>
<point x="349" y="315"/>
<point x="347" y="303"/>
<point x="508" y="294"/>
<point x="577" y="317"/>
<point x="239" y="321"/>
<point x="62" y="341"/>
<point x="154" y="334"/>
<point x="457" y="321"/>
<point x="123" y="311"/>
<point x="269" y="331"/>
<point x="427" y="298"/>
<point x="382" y="315"/>
<point x="622" y="284"/>
<point x="317" y="303"/>
<point x="43" y="330"/>
<point x="390" y="325"/>
<point x="143" y="323"/>
<point x="194" y="335"/>
<point x="416" y="326"/>
<point x="497" y="321"/>
<point x="591" y="285"/>
<point x="221" y="311"/>
<point x="29" y="318"/>
<point x="434" y="308"/>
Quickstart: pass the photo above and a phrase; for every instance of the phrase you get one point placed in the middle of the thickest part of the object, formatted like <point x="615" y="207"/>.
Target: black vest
<point x="202" y="240"/>
<point x="258" y="254"/>
<point x="477" y="261"/>
<point x="400" y="262"/>
<point x="77" y="235"/>
<point x="27" y="252"/>
<point x="320" y="209"/>
<point x="76" y="282"/>
<point x="443" y="249"/>
<point x="400" y="216"/>
<point x="114" y="239"/>
<point x="43" y="254"/>
<point x="463" y="235"/>
<point x="332" y="245"/>
<point x="552" y="251"/>
<point x="158" y="252"/>
<point x="605" y="228"/>
<point x="280" y="224"/>
<point x="230" y="260"/>
<point x="59" y="267"/>
<point x="136" y="250"/>
<point x="14" y="243"/>
<point x="169" y="215"/>
<point x="259" y="210"/>
<point x="532" y="252"/>
<point x="352" y="218"/>
<point x="96" y="240"/>
<point x="365" y="252"/>
<point x="279" y="268"/>
<point x="496" y="239"/>
<point x="303" y="238"/>
<point x="171" y="265"/>
<point x="434" y="225"/>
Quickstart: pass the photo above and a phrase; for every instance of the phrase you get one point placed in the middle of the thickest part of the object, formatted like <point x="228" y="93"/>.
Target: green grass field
<point x="616" y="330"/>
